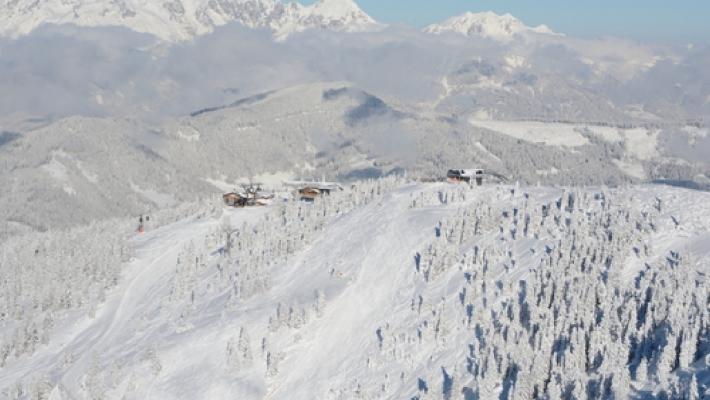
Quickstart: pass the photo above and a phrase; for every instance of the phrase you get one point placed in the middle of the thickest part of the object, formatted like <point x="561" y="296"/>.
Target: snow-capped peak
<point x="336" y="15"/>
<point x="487" y="24"/>
<point x="340" y="9"/>
<point x="179" y="20"/>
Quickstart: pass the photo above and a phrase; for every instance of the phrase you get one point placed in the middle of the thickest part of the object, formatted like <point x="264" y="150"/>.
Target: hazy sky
<point x="684" y="20"/>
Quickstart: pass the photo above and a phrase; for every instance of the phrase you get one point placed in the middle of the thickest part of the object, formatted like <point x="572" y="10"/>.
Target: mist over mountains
<point x="238" y="100"/>
<point x="108" y="68"/>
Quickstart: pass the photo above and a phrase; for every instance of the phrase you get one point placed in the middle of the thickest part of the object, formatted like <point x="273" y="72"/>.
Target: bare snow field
<point x="536" y="132"/>
<point x="388" y="290"/>
<point x="640" y="143"/>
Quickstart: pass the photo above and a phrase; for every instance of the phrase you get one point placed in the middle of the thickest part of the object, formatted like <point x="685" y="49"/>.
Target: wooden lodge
<point x="249" y="197"/>
<point x="234" y="199"/>
<point x="309" y="191"/>
<point x="465" y="175"/>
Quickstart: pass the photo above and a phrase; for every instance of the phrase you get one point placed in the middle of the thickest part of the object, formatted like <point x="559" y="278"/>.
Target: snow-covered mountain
<point x="488" y="25"/>
<point x="386" y="290"/>
<point x="179" y="20"/>
<point x="330" y="128"/>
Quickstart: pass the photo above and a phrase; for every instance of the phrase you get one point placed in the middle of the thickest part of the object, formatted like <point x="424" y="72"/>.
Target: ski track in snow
<point x="370" y="251"/>
<point x="156" y="252"/>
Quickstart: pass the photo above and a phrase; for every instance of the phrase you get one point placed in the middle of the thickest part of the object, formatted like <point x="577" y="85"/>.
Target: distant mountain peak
<point x="337" y="8"/>
<point x="488" y="25"/>
<point x="336" y="15"/>
<point x="180" y="20"/>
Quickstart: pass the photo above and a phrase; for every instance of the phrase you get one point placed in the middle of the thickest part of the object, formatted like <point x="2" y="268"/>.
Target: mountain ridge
<point x="488" y="25"/>
<point x="183" y="20"/>
<point x="330" y="128"/>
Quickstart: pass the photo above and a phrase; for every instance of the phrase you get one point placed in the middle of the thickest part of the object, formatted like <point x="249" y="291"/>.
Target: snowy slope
<point x="488" y="25"/>
<point x="180" y="20"/>
<point x="396" y="291"/>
